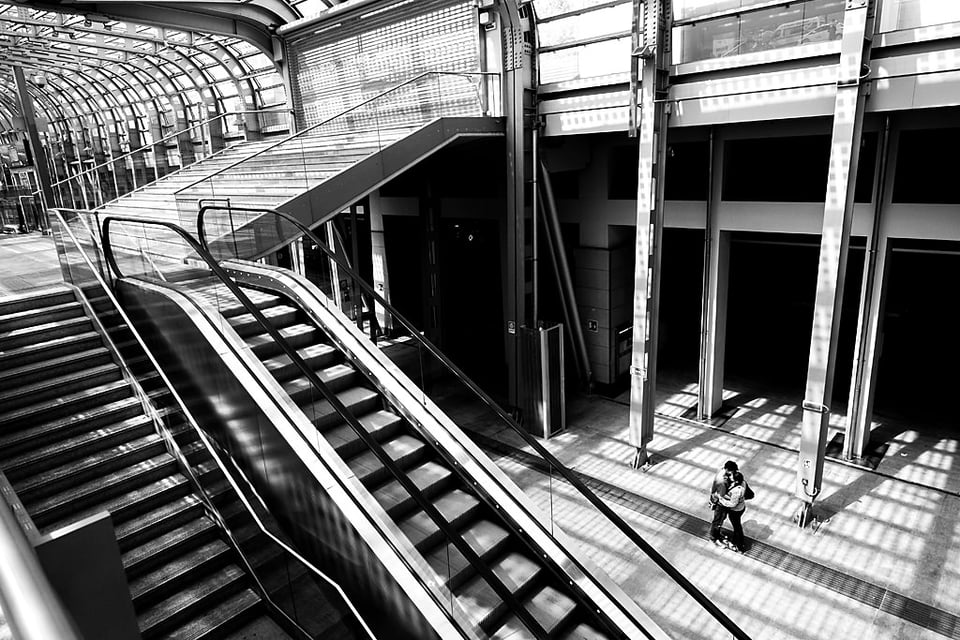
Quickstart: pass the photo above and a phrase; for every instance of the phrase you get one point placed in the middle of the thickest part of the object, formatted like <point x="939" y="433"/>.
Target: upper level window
<point x="909" y="14"/>
<point x="779" y="27"/>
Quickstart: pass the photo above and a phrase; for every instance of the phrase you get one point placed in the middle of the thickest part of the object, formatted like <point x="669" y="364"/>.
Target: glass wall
<point x="909" y="14"/>
<point x="583" y="39"/>
<point x="766" y="29"/>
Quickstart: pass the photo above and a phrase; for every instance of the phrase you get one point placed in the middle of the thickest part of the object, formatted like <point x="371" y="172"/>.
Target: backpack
<point x="748" y="493"/>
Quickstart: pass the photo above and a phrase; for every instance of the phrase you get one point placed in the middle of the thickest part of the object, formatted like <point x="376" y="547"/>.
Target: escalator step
<point x="380" y="424"/>
<point x="485" y="538"/>
<point x="316" y="356"/>
<point x="456" y="507"/>
<point x="404" y="450"/>
<point x="336" y="378"/>
<point x="358" y="400"/>
<point x="549" y="607"/>
<point x="297" y="336"/>
<point x="279" y="316"/>
<point x="431" y="478"/>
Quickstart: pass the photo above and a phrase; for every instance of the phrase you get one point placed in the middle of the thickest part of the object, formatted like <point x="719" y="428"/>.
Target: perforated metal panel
<point x="336" y="66"/>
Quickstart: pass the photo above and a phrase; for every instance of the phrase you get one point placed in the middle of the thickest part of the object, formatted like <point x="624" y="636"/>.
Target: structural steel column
<point x="652" y="133"/>
<point x="834" y="245"/>
<point x="36" y="148"/>
<point x="515" y="302"/>
<point x="869" y="320"/>
<point x="716" y="272"/>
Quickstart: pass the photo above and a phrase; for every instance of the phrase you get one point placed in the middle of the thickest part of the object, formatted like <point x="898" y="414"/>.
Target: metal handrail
<point x="532" y="442"/>
<point x="151" y="411"/>
<point x="334" y="117"/>
<point x="31" y="606"/>
<point x="169" y="136"/>
<point x="372" y="444"/>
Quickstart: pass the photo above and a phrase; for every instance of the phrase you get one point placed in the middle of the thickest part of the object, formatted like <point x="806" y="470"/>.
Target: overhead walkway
<point x="315" y="173"/>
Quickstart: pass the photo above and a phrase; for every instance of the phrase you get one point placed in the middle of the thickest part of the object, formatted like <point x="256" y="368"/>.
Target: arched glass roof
<point x="102" y="63"/>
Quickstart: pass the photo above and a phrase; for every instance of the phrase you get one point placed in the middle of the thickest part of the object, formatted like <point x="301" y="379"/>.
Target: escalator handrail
<point x="208" y="445"/>
<point x="528" y="439"/>
<point x="452" y="536"/>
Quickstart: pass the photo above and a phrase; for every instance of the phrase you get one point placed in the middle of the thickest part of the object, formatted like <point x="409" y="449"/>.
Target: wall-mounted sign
<point x="593" y="325"/>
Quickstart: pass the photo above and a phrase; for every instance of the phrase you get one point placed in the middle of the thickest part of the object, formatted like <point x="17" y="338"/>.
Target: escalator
<point x="493" y="562"/>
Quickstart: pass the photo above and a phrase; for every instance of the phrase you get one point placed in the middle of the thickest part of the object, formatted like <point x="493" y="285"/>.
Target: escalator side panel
<point x="320" y="510"/>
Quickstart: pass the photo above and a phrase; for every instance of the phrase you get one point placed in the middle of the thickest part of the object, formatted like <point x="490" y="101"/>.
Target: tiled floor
<point x="882" y="562"/>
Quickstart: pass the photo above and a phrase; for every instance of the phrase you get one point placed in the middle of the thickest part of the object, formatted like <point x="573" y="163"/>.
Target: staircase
<point x="311" y="176"/>
<point x="74" y="441"/>
<point x="518" y="568"/>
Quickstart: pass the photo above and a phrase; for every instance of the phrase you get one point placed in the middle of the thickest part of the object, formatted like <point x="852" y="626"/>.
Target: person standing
<point x="720" y="487"/>
<point x="734" y="505"/>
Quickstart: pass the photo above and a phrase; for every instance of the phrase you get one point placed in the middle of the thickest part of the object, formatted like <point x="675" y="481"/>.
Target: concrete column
<point x="834" y="245"/>
<point x="378" y="252"/>
<point x="652" y="134"/>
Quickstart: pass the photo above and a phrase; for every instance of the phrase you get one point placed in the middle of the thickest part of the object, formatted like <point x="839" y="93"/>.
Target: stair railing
<point x="32" y="608"/>
<point x="418" y="101"/>
<point x="429" y="357"/>
<point x="76" y="262"/>
<point x="203" y="125"/>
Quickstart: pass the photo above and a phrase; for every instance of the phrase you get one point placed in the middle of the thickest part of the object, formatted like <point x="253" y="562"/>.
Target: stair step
<point x="66" y="504"/>
<point x="40" y="298"/>
<point x="71" y="404"/>
<point x="37" y="391"/>
<point x="225" y="619"/>
<point x="39" y="315"/>
<point x="156" y="522"/>
<point x="163" y="618"/>
<point x="46" y="457"/>
<point x="183" y="568"/>
<point x="145" y="557"/>
<point x="13" y="442"/>
<point x="431" y="478"/>
<point x="89" y="468"/>
<point x="51" y="367"/>
<point x="456" y="507"/>
<point x="54" y="348"/>
<point x="405" y="450"/>
<point x="37" y="333"/>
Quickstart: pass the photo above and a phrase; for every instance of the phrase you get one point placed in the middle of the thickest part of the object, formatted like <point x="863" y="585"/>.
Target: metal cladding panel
<point x="337" y="66"/>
